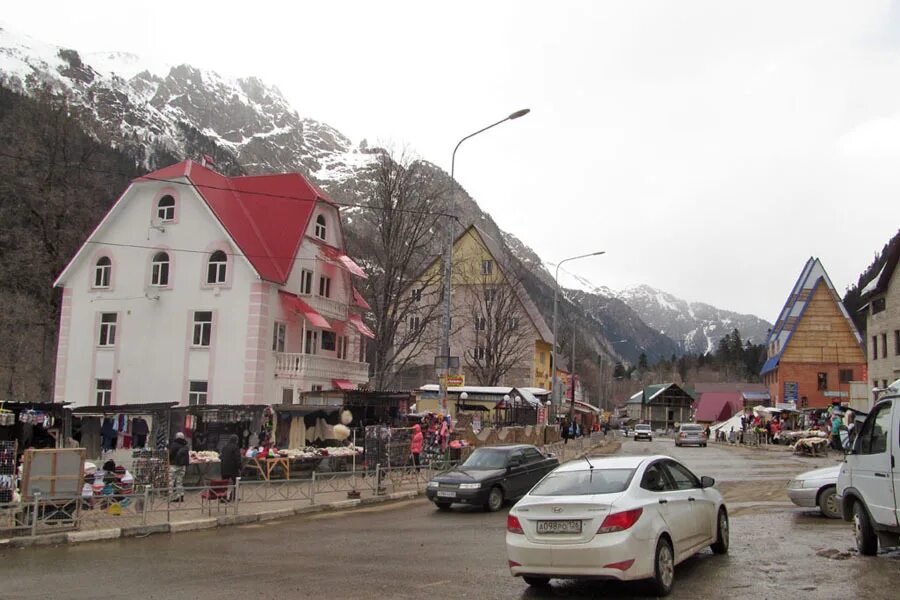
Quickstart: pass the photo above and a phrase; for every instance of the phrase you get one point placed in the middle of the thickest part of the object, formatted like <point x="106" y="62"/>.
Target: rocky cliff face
<point x="159" y="114"/>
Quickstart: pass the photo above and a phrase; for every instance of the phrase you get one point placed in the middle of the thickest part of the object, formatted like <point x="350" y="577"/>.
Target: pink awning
<point x="358" y="323"/>
<point x="344" y="260"/>
<point x="342" y="384"/>
<point x="359" y="301"/>
<point x="290" y="302"/>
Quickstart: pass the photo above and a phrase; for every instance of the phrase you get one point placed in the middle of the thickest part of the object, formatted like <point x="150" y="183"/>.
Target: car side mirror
<point x="707" y="482"/>
<point x="515" y="462"/>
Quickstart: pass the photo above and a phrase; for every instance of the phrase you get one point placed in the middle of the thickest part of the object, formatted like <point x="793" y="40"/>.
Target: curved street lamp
<point x="554" y="392"/>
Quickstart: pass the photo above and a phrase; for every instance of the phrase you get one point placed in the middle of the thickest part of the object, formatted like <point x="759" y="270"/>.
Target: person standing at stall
<point x="415" y="446"/>
<point x="179" y="459"/>
<point x="231" y="463"/>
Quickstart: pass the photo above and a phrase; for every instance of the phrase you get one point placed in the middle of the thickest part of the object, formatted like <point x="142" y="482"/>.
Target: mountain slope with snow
<point x="695" y="326"/>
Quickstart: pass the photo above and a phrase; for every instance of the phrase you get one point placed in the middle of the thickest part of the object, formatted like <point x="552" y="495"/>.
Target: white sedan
<point x="626" y="518"/>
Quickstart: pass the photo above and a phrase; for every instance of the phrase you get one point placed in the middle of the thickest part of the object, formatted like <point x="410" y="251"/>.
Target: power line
<point x="228" y="189"/>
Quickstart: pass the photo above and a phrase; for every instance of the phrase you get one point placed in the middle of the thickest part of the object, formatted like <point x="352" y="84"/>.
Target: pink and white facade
<point x="198" y="288"/>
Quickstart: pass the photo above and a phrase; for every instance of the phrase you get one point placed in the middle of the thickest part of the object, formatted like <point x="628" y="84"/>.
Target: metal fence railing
<point x="145" y="505"/>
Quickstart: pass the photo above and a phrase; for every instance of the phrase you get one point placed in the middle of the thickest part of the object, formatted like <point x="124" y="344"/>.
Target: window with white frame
<point x="159" y="273"/>
<point x="315" y="388"/>
<point x="197" y="393"/>
<point x="278" y="336"/>
<point x="216" y="268"/>
<point x="489" y="295"/>
<point x="287" y="395"/>
<point x="513" y="323"/>
<point x="102" y="272"/>
<point x="480" y="324"/>
<point x="325" y="287"/>
<point x="487" y="267"/>
<point x="107" y="329"/>
<point x="417" y="294"/>
<point x="202" y="328"/>
<point x="320" y="227"/>
<point x="362" y="349"/>
<point x="311" y="345"/>
<point x="165" y="208"/>
<point x="342" y="343"/>
<point x="478" y="353"/>
<point x="328" y="341"/>
<point x="306" y="279"/>
<point x="414" y="323"/>
<point x="104" y="392"/>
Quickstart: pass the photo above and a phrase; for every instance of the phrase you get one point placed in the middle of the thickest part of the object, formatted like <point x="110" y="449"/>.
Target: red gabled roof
<point x="266" y="215"/>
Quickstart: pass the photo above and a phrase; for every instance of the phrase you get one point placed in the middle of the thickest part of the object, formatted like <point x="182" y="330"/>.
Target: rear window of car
<point x="691" y="428"/>
<point x="581" y="483"/>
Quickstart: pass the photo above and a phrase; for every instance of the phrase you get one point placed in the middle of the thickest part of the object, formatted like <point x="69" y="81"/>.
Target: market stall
<point x="126" y="427"/>
<point x="34" y="424"/>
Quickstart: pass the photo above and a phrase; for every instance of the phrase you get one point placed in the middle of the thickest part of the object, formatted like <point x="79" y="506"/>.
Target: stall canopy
<point x="290" y="302"/>
<point x="148" y="408"/>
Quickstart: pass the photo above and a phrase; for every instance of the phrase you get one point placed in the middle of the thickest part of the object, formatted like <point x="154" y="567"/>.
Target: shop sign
<point x="791" y="391"/>
<point x="835" y="394"/>
<point x="453" y="380"/>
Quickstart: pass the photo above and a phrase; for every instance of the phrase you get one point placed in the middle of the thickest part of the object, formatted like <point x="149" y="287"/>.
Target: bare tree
<point x="406" y="202"/>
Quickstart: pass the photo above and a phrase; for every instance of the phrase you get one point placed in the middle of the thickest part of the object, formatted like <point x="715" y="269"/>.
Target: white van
<point x="868" y="485"/>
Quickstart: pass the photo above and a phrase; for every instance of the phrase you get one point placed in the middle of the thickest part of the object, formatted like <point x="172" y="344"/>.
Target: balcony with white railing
<point x="297" y="365"/>
<point x="328" y="308"/>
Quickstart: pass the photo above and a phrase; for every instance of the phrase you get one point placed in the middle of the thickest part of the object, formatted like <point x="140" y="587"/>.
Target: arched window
<point x="159" y="275"/>
<point x="320" y="227"/>
<point x="165" y="208"/>
<point x="218" y="263"/>
<point x="102" y="272"/>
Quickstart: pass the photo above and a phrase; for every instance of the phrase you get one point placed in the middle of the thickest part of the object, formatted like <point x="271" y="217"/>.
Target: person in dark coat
<point x="179" y="459"/>
<point x="231" y="462"/>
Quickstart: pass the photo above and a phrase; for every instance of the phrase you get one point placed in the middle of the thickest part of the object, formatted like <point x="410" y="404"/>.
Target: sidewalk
<point x="147" y="513"/>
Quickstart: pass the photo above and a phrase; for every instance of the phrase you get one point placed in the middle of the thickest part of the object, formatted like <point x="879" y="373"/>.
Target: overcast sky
<point x="709" y="147"/>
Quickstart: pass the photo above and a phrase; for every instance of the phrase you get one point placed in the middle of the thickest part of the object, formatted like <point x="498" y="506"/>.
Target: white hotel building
<point x="198" y="288"/>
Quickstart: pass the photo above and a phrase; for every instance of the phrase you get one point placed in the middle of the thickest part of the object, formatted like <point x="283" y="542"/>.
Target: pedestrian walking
<point x="231" y="463"/>
<point x="416" y="445"/>
<point x="564" y="431"/>
<point x="179" y="459"/>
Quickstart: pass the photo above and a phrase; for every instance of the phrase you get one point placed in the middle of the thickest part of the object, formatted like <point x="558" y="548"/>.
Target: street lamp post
<point x="554" y="393"/>
<point x="448" y="255"/>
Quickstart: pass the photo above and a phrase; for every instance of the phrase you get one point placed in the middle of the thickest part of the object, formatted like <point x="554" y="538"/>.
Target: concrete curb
<point x="78" y="537"/>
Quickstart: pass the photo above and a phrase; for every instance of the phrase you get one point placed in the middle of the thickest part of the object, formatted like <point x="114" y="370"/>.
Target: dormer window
<point x="165" y="209"/>
<point x="320" y="227"/>
<point x="217" y="268"/>
<point x="159" y="273"/>
<point x="102" y="272"/>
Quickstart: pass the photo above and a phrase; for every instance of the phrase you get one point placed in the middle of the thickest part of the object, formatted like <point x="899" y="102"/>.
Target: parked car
<point x="691" y="433"/>
<point x="817" y="488"/>
<point x="625" y="518"/>
<point x="642" y="431"/>
<point x="869" y="480"/>
<point x="491" y="476"/>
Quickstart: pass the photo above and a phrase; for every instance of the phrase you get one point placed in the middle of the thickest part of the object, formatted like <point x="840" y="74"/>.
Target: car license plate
<point x="559" y="526"/>
<point x="442" y="494"/>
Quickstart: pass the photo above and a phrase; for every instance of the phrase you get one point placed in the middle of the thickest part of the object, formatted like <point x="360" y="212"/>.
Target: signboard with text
<point x="453" y="380"/>
<point x="791" y="391"/>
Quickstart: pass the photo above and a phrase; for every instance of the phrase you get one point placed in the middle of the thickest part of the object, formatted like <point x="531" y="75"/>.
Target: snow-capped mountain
<point x="695" y="326"/>
<point x="179" y="111"/>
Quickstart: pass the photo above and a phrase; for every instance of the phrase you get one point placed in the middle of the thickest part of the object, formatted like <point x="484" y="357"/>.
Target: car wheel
<point x="866" y="542"/>
<point x="828" y="503"/>
<point x="703" y="445"/>
<point x="663" y="568"/>
<point x="677" y="445"/>
<point x="536" y="581"/>
<point x="495" y="500"/>
<point x="442" y="505"/>
<point x="721" y="544"/>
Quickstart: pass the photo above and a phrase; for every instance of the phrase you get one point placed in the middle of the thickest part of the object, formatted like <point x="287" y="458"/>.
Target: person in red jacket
<point x="415" y="446"/>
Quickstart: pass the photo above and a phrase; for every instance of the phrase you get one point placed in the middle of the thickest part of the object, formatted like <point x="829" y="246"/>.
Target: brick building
<point x="814" y="350"/>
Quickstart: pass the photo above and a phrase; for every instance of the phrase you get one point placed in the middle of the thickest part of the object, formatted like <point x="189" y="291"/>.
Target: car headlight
<point x="433" y="484"/>
<point x="469" y="486"/>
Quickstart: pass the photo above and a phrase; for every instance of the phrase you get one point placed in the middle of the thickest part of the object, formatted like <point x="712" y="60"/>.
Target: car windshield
<point x="582" y="483"/>
<point x="642" y="427"/>
<point x="486" y="459"/>
<point x="691" y="428"/>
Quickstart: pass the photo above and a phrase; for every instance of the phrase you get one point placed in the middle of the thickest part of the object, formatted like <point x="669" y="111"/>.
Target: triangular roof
<point x="496" y="250"/>
<point x="718" y="406"/>
<point x="811" y="277"/>
<point x="266" y="215"/>
<point x="652" y="391"/>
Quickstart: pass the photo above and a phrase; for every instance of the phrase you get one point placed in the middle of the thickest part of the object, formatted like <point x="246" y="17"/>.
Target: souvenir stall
<point x="208" y="427"/>
<point x="34" y="424"/>
<point x="103" y="429"/>
<point x="8" y="473"/>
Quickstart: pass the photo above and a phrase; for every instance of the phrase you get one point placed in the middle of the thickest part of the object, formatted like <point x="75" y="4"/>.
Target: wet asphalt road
<point x="409" y="550"/>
